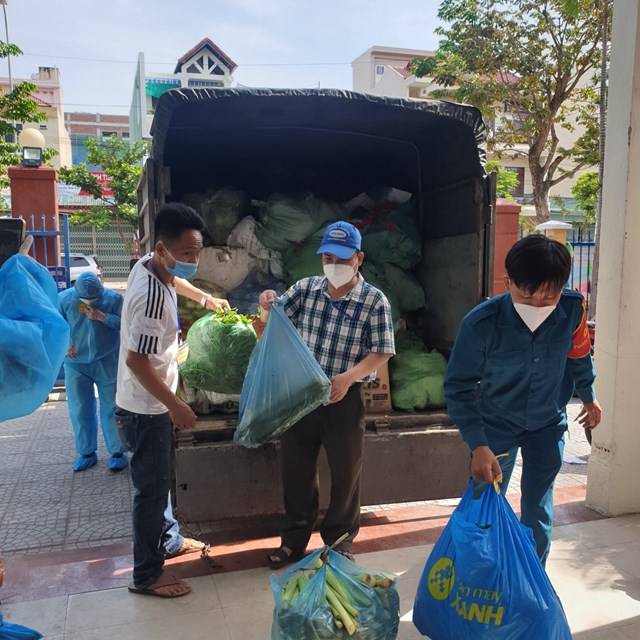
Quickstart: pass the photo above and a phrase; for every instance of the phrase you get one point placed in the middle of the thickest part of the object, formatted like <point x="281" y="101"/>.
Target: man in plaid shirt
<point x="346" y="323"/>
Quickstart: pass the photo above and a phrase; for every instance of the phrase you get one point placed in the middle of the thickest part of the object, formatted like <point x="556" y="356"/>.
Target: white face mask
<point x="338" y="274"/>
<point x="533" y="317"/>
<point x="88" y="301"/>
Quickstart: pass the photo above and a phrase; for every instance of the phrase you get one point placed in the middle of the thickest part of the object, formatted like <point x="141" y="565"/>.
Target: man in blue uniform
<point x="93" y="313"/>
<point x="514" y="366"/>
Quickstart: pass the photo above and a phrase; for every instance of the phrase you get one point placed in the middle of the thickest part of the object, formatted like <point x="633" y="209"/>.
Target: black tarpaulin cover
<point x="330" y="142"/>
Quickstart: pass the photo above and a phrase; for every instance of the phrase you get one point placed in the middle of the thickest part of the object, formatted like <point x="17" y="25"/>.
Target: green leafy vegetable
<point x="220" y="345"/>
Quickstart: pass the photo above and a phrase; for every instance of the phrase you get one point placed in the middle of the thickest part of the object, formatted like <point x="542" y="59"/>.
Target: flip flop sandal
<point x="283" y="558"/>
<point x="160" y="590"/>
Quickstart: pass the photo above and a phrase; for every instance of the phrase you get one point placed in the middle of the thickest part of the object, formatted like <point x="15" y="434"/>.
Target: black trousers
<point x="339" y="428"/>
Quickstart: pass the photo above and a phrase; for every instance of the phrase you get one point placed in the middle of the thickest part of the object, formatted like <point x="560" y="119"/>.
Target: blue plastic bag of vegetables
<point x="284" y="382"/>
<point x="483" y="579"/>
<point x="327" y="596"/>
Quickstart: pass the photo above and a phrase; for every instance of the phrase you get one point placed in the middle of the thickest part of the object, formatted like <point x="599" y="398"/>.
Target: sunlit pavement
<point x="66" y="538"/>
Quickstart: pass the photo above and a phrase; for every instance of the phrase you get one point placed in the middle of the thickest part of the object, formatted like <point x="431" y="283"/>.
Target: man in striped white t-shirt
<point x="148" y="409"/>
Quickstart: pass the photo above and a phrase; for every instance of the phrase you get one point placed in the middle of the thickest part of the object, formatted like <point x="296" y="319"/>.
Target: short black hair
<point x="173" y="219"/>
<point x="537" y="261"/>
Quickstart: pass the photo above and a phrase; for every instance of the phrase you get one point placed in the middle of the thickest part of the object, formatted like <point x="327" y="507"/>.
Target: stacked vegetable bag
<point x="327" y="596"/>
<point x="220" y="345"/>
<point x="417" y="374"/>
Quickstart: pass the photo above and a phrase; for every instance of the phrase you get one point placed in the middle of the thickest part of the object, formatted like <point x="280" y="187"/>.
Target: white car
<point x="81" y="262"/>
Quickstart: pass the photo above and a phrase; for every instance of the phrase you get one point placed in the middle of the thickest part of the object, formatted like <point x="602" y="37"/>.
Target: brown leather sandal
<point x="166" y="586"/>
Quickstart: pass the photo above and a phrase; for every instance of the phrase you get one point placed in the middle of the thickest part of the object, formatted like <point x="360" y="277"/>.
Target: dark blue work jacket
<point x="504" y="376"/>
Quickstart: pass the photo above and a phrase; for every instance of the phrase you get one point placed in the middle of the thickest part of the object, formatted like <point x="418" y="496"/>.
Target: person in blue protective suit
<point x="93" y="313"/>
<point x="33" y="335"/>
<point x="514" y="366"/>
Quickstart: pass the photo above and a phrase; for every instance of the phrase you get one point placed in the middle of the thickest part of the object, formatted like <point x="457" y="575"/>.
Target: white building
<point x="49" y="98"/>
<point x="205" y="65"/>
<point x="385" y="71"/>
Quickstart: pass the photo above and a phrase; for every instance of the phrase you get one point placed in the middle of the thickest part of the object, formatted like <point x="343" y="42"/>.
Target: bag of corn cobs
<point x="325" y="595"/>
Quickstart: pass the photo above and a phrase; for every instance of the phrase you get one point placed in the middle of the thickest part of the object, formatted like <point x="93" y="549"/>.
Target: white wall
<point x="613" y="481"/>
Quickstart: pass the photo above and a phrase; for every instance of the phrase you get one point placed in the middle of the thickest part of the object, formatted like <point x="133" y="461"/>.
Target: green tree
<point x="506" y="181"/>
<point x="532" y="67"/>
<point x="122" y="163"/>
<point x="586" y="192"/>
<point x="16" y="107"/>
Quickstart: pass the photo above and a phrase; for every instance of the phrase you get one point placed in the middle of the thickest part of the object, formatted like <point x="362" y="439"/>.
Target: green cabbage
<point x="220" y="345"/>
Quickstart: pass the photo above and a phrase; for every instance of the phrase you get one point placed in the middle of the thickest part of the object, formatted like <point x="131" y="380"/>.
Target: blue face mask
<point x="184" y="270"/>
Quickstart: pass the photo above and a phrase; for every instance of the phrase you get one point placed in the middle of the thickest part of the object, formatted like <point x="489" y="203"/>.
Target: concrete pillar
<point x="34" y="191"/>
<point x="613" y="481"/>
<point x="507" y="233"/>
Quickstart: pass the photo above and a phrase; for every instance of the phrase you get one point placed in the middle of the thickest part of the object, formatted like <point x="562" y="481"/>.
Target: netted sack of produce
<point x="407" y="341"/>
<point x="244" y="235"/>
<point x="220" y="345"/>
<point x="191" y="310"/>
<point x="372" y="274"/>
<point x="197" y="201"/>
<point x="201" y="404"/>
<point x="293" y="218"/>
<point x="301" y="260"/>
<point x="392" y="237"/>
<point x="327" y="596"/>
<point x="185" y="392"/>
<point x="284" y="382"/>
<point x="244" y="298"/>
<point x="223" y="402"/>
<point x="417" y="380"/>
<point x="406" y="287"/>
<point x="227" y="206"/>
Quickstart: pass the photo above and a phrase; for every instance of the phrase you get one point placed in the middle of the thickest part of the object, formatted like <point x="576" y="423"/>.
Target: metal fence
<point x="106" y="244"/>
<point x="581" y="269"/>
<point x="47" y="251"/>
<point x="581" y="243"/>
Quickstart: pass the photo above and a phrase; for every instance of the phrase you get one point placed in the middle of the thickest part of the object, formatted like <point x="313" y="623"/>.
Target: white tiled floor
<point x="594" y="566"/>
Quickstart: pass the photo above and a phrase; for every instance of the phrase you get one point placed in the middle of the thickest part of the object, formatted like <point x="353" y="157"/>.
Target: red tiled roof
<point x="500" y="76"/>
<point x="204" y="43"/>
<point x="403" y="71"/>
<point x="40" y="103"/>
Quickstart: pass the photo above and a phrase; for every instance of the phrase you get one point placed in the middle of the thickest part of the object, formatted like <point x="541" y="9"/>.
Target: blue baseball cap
<point x="341" y="239"/>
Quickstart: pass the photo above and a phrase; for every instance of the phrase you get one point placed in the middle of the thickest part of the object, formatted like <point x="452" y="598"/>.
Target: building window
<point x="43" y="127"/>
<point x="379" y="69"/>
<point x="205" y="83"/>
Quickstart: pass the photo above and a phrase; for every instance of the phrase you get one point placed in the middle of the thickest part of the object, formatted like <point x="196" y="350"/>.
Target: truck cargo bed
<point x="417" y="456"/>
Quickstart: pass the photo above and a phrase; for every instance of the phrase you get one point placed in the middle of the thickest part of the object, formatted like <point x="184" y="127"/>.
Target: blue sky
<point x="292" y="43"/>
